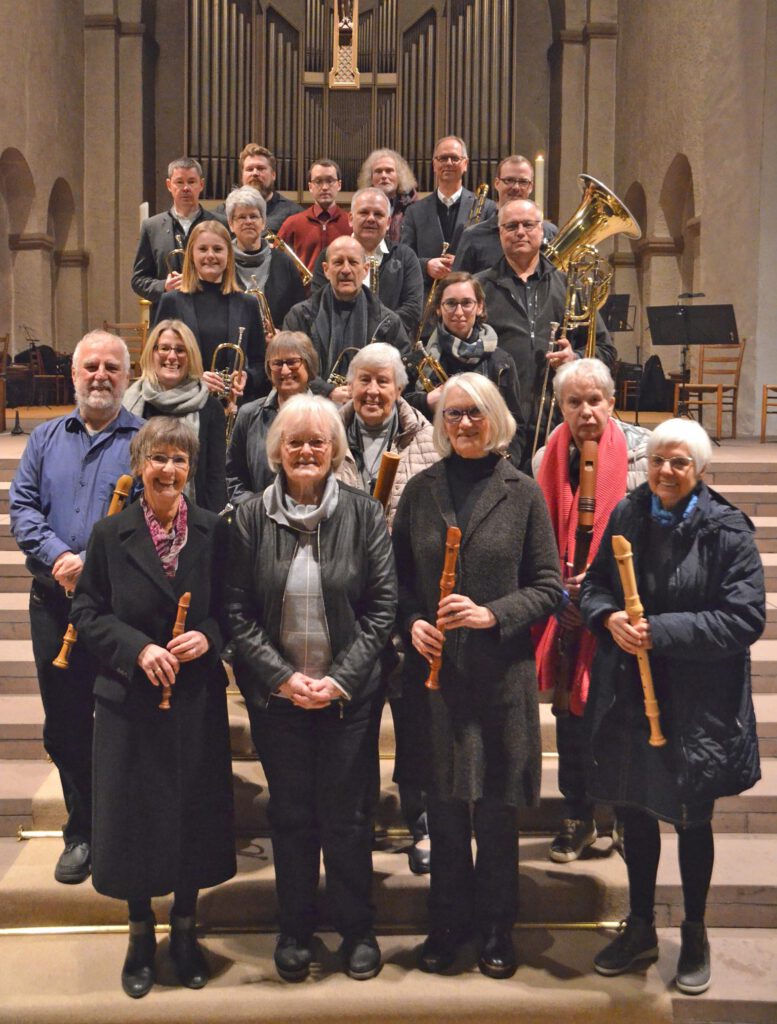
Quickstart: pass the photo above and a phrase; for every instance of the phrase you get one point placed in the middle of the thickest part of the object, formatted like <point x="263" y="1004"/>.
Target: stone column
<point x="33" y="292"/>
<point x="71" y="298"/>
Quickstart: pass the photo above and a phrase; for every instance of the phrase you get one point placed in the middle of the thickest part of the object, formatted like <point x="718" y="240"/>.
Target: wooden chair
<point x="768" y="406"/>
<point x="134" y="337"/>
<point x="718" y="384"/>
<point x="45" y="385"/>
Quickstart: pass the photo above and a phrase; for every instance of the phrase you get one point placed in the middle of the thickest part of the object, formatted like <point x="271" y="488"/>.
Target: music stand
<point x="692" y="325"/>
<point x="616" y="313"/>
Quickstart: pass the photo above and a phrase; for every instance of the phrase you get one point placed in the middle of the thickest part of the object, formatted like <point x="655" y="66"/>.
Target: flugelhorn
<point x="264" y="308"/>
<point x="236" y="361"/>
<point x="176" y="254"/>
<point x="335" y="377"/>
<point x="278" y="243"/>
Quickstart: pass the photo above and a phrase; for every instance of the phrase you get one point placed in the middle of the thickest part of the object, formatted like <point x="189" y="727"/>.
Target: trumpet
<point x="430" y="301"/>
<point x="264" y="308"/>
<point x="476" y="213"/>
<point x="428" y="368"/>
<point x="340" y="379"/>
<point x="176" y="255"/>
<point x="374" y="274"/>
<point x="278" y="243"/>
<point x="236" y="361"/>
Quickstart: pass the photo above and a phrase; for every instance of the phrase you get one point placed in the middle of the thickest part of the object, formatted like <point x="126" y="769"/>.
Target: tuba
<point x="278" y="243"/>
<point x="600" y="215"/>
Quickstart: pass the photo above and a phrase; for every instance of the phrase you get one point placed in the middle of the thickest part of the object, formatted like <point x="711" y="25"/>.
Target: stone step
<point x="21" y="727"/>
<point x="14" y="619"/>
<point x="758" y="499"/>
<point x="20" y="783"/>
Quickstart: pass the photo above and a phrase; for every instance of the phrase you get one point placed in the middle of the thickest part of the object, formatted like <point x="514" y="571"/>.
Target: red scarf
<point x="553" y="478"/>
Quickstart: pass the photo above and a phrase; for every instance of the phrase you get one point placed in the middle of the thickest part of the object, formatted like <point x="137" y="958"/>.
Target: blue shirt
<point x="64" y="484"/>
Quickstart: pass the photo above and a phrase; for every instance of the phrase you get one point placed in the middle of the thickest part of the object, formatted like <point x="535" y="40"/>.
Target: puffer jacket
<point x="711" y="611"/>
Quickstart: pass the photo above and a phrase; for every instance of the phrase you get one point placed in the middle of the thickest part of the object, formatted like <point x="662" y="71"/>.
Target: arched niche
<point x="18" y="189"/>
<point x="61" y="212"/>
<point x="636" y="200"/>
<point x="60" y="225"/>
<point x="678" y="206"/>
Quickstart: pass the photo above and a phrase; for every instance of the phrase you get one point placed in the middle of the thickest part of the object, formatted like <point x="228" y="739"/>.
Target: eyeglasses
<point x="448" y="158"/>
<point x="510" y="182"/>
<point x="450" y="305"/>
<point x="324" y="181"/>
<point x="293" y="363"/>
<point x="678" y="463"/>
<point x="165" y="350"/>
<point x="527" y="225"/>
<point x="316" y="444"/>
<point x="160" y="461"/>
<point x="473" y="414"/>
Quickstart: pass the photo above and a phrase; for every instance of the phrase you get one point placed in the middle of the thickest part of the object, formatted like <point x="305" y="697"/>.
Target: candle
<point x="539" y="181"/>
<point x="143" y="212"/>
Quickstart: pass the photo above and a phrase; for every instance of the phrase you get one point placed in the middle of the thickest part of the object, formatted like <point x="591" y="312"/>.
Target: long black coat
<point x="162" y="779"/>
<point x="711" y="610"/>
<point x="484" y="735"/>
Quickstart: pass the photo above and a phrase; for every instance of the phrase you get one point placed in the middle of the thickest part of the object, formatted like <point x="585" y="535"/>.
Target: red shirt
<point x="311" y="230"/>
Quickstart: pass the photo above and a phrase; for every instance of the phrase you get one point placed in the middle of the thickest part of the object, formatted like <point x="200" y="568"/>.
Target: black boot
<point x="693" y="967"/>
<point x="137" y="974"/>
<point x="190" y="965"/>
<point x="419" y="854"/>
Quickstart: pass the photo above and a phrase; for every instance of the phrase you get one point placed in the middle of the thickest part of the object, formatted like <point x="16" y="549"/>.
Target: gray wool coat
<point x="479" y="735"/>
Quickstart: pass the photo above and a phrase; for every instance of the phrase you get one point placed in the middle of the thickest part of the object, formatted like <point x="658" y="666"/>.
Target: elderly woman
<point x="700" y="579"/>
<point x="211" y="303"/>
<point x="163" y="817"/>
<point x="463" y="342"/>
<point x="170" y="384"/>
<point x="311" y="602"/>
<point x="482" y="748"/>
<point x="291" y="364"/>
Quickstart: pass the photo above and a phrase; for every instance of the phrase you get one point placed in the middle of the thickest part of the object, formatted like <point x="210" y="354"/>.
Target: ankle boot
<point x="185" y="952"/>
<point x="693" y="967"/>
<point x="137" y="974"/>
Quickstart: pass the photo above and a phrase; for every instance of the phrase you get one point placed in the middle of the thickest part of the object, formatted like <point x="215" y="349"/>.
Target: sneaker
<point x="361" y="957"/>
<point x="292" y="958"/>
<point x="575" y="836"/>
<point x="636" y="942"/>
<point x="693" y="967"/>
<point x="74" y="864"/>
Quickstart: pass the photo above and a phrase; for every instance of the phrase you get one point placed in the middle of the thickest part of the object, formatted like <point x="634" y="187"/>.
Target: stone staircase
<point x="560" y="905"/>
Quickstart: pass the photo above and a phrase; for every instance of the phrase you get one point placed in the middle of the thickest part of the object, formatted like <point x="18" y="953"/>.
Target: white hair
<point x="685" y="432"/>
<point x="583" y="369"/>
<point x="246" y="195"/>
<point x="377" y="356"/>
<point x="99" y="335"/>
<point x="304" y="409"/>
<point x="487" y="398"/>
<point x="371" y="190"/>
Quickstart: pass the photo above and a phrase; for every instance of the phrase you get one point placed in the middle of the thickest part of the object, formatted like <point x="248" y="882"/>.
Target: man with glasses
<point x="442" y="215"/>
<point x="524" y="293"/>
<point x="480" y="247"/>
<point x="64" y="484"/>
<point x="311" y="231"/>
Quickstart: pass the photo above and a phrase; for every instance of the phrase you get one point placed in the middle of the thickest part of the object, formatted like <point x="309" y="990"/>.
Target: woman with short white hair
<point x="700" y="579"/>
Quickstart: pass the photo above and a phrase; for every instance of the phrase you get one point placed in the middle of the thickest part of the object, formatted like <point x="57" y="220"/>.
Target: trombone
<point x="374" y="274"/>
<point x="278" y="243"/>
<point x="236" y="359"/>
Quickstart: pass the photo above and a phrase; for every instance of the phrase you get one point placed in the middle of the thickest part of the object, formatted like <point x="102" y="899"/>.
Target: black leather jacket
<point x="359" y="586"/>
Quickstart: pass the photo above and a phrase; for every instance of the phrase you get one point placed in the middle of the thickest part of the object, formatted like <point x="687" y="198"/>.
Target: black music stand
<point x="617" y="314"/>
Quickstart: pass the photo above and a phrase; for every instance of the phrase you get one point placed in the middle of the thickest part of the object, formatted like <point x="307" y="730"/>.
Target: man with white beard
<point x="64" y="484"/>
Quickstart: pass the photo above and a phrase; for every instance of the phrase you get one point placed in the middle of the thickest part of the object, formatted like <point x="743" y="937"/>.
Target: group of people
<point x="332" y="602"/>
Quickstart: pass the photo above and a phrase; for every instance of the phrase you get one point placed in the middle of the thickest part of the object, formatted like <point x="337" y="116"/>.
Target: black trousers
<point x="463" y="893"/>
<point x="68" y="704"/>
<point x="321" y="768"/>
<point x="571" y="738"/>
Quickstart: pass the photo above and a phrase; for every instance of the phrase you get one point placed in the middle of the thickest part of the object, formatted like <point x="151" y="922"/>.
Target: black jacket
<point x="359" y="586"/>
<point x="248" y="471"/>
<point x="480" y="246"/>
<point x="712" y="610"/>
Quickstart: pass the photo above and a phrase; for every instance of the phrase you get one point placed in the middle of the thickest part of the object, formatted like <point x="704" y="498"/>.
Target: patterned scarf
<point x="168" y="545"/>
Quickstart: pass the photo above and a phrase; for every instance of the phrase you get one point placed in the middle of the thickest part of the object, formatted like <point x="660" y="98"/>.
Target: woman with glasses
<point x="162" y="813"/>
<point x="311" y="602"/>
<point x="463" y="342"/>
<point x="291" y="363"/>
<point x="700" y="579"/>
<point x="481" y="732"/>
<point x="171" y="384"/>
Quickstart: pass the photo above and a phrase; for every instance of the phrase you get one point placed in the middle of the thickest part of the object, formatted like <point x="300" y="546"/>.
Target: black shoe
<point x="637" y="942"/>
<point x="185" y="952"/>
<point x="438" y="952"/>
<point x="292" y="958"/>
<point x="137" y="974"/>
<point x="74" y="864"/>
<point x="693" y="967"/>
<point x="361" y="957"/>
<point x="574" y="837"/>
<point x="497" y="953"/>
<point x="419" y="855"/>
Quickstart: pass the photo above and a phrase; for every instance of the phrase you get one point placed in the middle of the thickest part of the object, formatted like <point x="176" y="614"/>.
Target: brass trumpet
<point x="278" y="243"/>
<point x="264" y="308"/>
<point x="340" y="379"/>
<point x="176" y="255"/>
<point x="236" y="362"/>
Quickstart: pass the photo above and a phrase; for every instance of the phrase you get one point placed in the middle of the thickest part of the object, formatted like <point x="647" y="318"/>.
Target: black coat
<point x="484" y="736"/>
<point x="710" y="610"/>
<point x="162" y="779"/>
<point x="359" y="589"/>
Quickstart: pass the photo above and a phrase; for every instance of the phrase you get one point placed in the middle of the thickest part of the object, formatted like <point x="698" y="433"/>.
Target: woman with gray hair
<point x="700" y="578"/>
<point x="480" y="754"/>
<point x="311" y="603"/>
<point x="163" y="818"/>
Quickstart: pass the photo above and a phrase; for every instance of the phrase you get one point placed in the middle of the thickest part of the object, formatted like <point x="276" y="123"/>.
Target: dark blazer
<point x="422" y="232"/>
<point x="157" y="239"/>
<point x="243" y="312"/>
<point x="163" y="787"/>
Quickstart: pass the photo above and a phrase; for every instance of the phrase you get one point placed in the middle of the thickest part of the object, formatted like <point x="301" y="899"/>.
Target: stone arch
<point x="678" y="207"/>
<point x="60" y="226"/>
<point x="636" y="200"/>
<point x="18" y="189"/>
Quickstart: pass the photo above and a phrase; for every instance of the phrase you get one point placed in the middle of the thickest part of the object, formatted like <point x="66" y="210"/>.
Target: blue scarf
<point x="671" y="516"/>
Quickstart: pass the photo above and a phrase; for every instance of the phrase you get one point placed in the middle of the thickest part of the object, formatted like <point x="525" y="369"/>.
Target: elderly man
<point x="584" y="390"/>
<point x="258" y="168"/>
<point x="387" y="170"/>
<point x="480" y="247"/>
<point x="62" y="487"/>
<point x="272" y="271"/>
<point x="160" y="235"/>
<point x="310" y="232"/>
<point x="442" y="216"/>
<point x="394" y="269"/>
<point x="524" y="293"/>
<point x="345" y="314"/>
